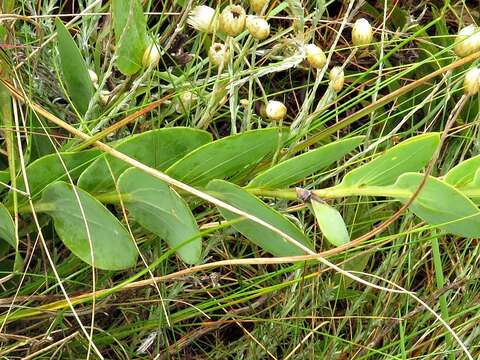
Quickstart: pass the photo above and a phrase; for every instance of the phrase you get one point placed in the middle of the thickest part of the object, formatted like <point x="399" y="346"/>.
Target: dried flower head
<point x="315" y="56"/>
<point x="218" y="54"/>
<point x="202" y="18"/>
<point x="232" y="20"/>
<point x="362" y="33"/>
<point x="467" y="41"/>
<point x="275" y="110"/>
<point x="151" y="56"/>
<point x="337" y="78"/>
<point x="258" y="27"/>
<point x="471" y="83"/>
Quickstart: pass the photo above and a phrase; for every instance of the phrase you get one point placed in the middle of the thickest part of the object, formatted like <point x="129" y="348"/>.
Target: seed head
<point x="275" y="110"/>
<point x="258" y="27"/>
<point x="467" y="41"/>
<point x="218" y="54"/>
<point x="151" y="56"/>
<point x="232" y="20"/>
<point x="471" y="83"/>
<point x="362" y="33"/>
<point x="315" y="56"/>
<point x="337" y="78"/>
<point x="202" y="18"/>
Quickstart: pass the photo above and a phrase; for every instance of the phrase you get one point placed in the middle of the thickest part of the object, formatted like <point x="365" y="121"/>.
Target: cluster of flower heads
<point x="233" y="20"/>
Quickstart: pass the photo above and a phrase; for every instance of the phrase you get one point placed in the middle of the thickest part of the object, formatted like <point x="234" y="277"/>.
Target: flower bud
<point x="471" y="83"/>
<point x="151" y="56"/>
<point x="202" y="18"/>
<point x="93" y="77"/>
<point x="218" y="54"/>
<point x="275" y="110"/>
<point x="337" y="78"/>
<point x="467" y="41"/>
<point x="258" y="27"/>
<point x="362" y="33"/>
<point x="258" y="5"/>
<point x="185" y="101"/>
<point x="315" y="56"/>
<point x="232" y="20"/>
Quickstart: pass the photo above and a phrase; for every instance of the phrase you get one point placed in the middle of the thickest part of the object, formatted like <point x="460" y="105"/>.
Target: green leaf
<point x="441" y="204"/>
<point x="331" y="223"/>
<point x="157" y="148"/>
<point x="263" y="237"/>
<point x="410" y="155"/>
<point x="75" y="73"/>
<point x="4" y="178"/>
<point x="7" y="227"/>
<point x="111" y="245"/>
<point x="225" y="157"/>
<point x="51" y="168"/>
<point x="131" y="33"/>
<point x="159" y="209"/>
<point x="464" y="173"/>
<point x="295" y="169"/>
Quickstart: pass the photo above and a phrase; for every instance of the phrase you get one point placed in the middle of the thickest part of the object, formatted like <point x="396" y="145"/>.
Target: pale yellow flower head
<point x="202" y="18"/>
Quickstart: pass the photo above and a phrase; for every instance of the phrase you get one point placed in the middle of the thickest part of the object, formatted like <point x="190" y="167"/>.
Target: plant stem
<point x="334" y="192"/>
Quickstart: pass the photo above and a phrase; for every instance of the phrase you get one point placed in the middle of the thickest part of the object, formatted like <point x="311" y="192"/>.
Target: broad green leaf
<point x="410" y="155"/>
<point x="331" y="223"/>
<point x="106" y="238"/>
<point x="75" y="73"/>
<point x="226" y="157"/>
<point x="157" y="148"/>
<point x="159" y="209"/>
<point x="51" y="168"/>
<point x="7" y="227"/>
<point x="258" y="234"/>
<point x="130" y="33"/>
<point x="464" y="173"/>
<point x="441" y="204"/>
<point x="295" y="169"/>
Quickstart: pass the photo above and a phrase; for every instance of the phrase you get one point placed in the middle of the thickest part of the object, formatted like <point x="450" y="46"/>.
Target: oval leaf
<point x="159" y="209"/>
<point x="51" y="168"/>
<point x="75" y="73"/>
<point x="331" y="223"/>
<point x="258" y="234"/>
<point x="157" y="148"/>
<point x="295" y="169"/>
<point x="410" y="155"/>
<point x="130" y="32"/>
<point x="464" y="173"/>
<point x="225" y="157"/>
<point x="441" y="204"/>
<point x="111" y="244"/>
